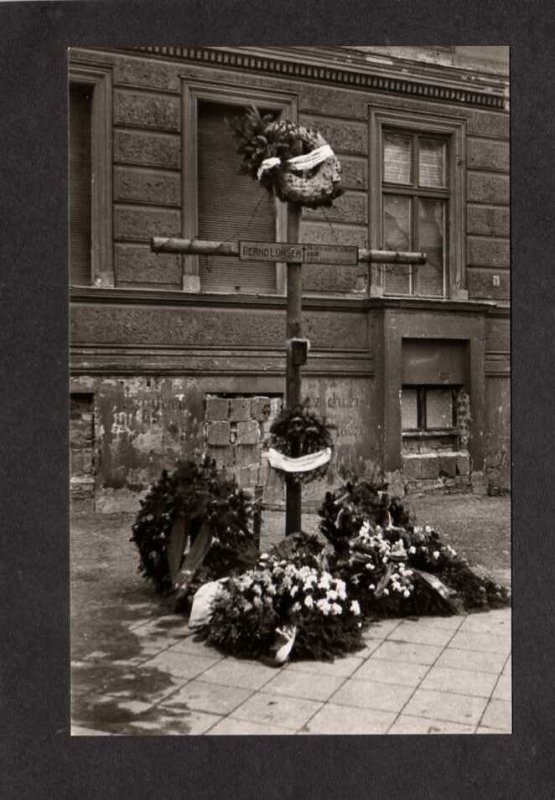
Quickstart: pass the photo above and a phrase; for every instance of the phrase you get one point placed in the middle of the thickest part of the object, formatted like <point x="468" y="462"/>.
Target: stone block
<point x="239" y="409"/>
<point x="141" y="224"/>
<point x="247" y="477"/>
<point x="411" y="467"/>
<point x="345" y="136"/>
<point x="261" y="408"/>
<point x="480" y="283"/>
<point x="147" y="149"/>
<point x="322" y="233"/>
<point x="248" y="433"/>
<point x="486" y="187"/>
<point x="488" y="252"/>
<point x="219" y="434"/>
<point x="447" y="466"/>
<point x="217" y="408"/>
<point x="488" y="154"/>
<point x="247" y="455"/>
<point x="147" y="186"/>
<point x="488" y="220"/>
<point x="161" y="111"/>
<point x="148" y="74"/>
<point x="223" y="456"/>
<point x="354" y="173"/>
<point x="463" y="465"/>
<point x="350" y="207"/>
<point x="429" y="467"/>
<point x="135" y="263"/>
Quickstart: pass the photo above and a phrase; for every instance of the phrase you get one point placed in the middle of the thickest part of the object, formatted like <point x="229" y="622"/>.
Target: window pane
<point x="409" y="409"/>
<point x="431" y="163"/>
<point x="397" y="157"/>
<point x="397" y="236"/>
<point x="431" y="240"/>
<point x="439" y="409"/>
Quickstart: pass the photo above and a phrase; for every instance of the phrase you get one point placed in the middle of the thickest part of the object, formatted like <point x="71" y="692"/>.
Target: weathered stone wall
<point x="143" y="425"/>
<point x="82" y="460"/>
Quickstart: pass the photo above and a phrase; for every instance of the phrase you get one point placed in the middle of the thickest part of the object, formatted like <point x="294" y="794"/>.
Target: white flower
<point x="436" y="553"/>
<point x="406" y="593"/>
<point x="296" y="607"/>
<point x="336" y="608"/>
<point x="332" y="594"/>
<point x="412" y="549"/>
<point x="355" y="607"/>
<point x="427" y="528"/>
<point x="324" y="607"/>
<point x="386" y="591"/>
<point x="257" y="602"/>
<point x="294" y="591"/>
<point x="371" y="586"/>
<point x="308" y="601"/>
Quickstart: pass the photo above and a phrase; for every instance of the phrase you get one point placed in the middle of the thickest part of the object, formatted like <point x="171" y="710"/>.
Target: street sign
<point x="298" y="254"/>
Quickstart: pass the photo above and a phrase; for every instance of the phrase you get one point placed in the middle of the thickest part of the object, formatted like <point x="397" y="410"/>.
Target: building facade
<point x="171" y="353"/>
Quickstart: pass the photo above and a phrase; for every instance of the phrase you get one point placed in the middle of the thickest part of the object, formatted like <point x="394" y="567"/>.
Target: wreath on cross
<point x="300" y="444"/>
<point x="294" y="163"/>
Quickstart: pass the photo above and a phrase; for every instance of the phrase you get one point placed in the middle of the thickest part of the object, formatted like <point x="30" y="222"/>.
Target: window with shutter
<point x="80" y="116"/>
<point x="231" y="206"/>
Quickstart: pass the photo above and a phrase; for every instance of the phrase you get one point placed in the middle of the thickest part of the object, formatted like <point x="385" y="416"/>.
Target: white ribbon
<point x="298" y="163"/>
<point x="307" y="463"/>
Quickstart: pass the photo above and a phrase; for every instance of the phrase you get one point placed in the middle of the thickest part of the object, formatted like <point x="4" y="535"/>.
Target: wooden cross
<point x="294" y="255"/>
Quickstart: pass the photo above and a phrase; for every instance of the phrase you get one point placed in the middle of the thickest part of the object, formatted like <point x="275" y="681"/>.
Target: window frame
<point x="100" y="78"/>
<point x="453" y="129"/>
<point x="192" y="93"/>
<point x="423" y="431"/>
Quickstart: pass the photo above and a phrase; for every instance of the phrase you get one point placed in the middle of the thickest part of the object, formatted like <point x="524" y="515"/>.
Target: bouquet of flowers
<point x="277" y="593"/>
<point x="293" y="162"/>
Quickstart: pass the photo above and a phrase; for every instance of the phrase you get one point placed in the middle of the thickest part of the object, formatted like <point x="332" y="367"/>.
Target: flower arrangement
<point x="277" y="154"/>
<point x="195" y="494"/>
<point x="299" y="432"/>
<point x="277" y="593"/>
<point x="394" y="567"/>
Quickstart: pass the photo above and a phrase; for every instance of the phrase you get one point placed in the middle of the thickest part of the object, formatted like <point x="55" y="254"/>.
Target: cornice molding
<point x="440" y="83"/>
<point x="85" y="295"/>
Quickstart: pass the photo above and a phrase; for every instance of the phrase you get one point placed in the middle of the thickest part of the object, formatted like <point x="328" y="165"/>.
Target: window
<point x="415" y="210"/>
<point x="219" y="203"/>
<point x="89" y="178"/>
<point x="230" y="206"/>
<point x="80" y="108"/>
<point x="428" y="408"/>
<point x="417" y="202"/>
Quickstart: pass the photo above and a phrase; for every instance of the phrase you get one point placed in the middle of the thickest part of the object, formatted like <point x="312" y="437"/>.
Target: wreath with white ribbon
<point x="293" y="162"/>
<point x="300" y="444"/>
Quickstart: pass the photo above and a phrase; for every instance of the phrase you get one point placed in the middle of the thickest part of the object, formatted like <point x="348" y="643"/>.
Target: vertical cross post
<point x="293" y="370"/>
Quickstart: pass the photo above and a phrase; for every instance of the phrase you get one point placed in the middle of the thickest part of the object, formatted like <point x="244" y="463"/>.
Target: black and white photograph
<point x="290" y="404"/>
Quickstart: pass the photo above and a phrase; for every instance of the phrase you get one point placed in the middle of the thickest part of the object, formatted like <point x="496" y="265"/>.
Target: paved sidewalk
<point x="432" y="675"/>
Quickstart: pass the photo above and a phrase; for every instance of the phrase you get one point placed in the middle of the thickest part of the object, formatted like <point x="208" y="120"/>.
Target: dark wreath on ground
<point x="370" y="560"/>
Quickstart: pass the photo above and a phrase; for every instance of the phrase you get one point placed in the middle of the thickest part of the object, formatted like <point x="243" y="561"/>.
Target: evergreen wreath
<point x="299" y="432"/>
<point x="197" y="492"/>
<point x="261" y="137"/>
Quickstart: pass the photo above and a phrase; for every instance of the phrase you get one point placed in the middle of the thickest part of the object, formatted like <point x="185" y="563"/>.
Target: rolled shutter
<point x="80" y="110"/>
<point x="230" y="207"/>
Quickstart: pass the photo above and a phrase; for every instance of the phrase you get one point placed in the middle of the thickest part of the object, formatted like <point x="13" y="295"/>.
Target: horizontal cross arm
<point x="201" y="247"/>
